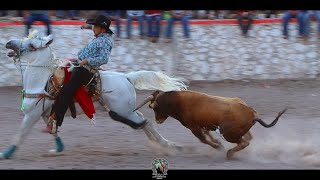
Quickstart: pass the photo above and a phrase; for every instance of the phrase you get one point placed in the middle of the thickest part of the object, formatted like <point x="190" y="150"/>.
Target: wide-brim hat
<point x="102" y="21"/>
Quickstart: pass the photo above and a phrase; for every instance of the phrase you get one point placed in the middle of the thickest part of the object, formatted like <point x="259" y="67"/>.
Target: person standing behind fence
<point x="115" y="16"/>
<point x="183" y="16"/>
<point x="135" y="15"/>
<point x="154" y="23"/>
<point x="304" y="24"/>
<point x="247" y="16"/>
<point x="71" y="13"/>
<point x="303" y="18"/>
<point x="37" y="15"/>
<point x="316" y="14"/>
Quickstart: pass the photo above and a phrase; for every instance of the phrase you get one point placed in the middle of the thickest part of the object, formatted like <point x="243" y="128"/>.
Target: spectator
<point x="166" y="15"/>
<point x="135" y="15"/>
<point x="246" y="16"/>
<point x="19" y="13"/>
<point x="210" y="14"/>
<point x="37" y="15"/>
<point x="269" y="14"/>
<point x="316" y="14"/>
<point x="202" y="14"/>
<point x="3" y="13"/>
<point x="71" y="13"/>
<point x="154" y="23"/>
<point x="114" y="16"/>
<point x="303" y="22"/>
<point x="303" y="17"/>
<point x="177" y="15"/>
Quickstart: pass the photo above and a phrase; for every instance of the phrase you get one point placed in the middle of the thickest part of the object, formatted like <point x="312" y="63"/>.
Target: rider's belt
<point x="90" y="69"/>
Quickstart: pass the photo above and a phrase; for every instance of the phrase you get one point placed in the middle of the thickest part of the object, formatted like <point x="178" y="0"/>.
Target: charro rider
<point x="95" y="54"/>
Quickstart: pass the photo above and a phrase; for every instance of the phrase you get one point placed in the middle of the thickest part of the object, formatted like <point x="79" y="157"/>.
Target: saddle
<point x="57" y="80"/>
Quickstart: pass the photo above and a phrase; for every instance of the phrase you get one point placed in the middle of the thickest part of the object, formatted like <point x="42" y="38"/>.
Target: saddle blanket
<point x="81" y="96"/>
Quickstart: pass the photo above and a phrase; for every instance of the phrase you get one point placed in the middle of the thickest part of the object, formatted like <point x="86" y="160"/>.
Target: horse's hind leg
<point x="149" y="130"/>
<point x="248" y="136"/>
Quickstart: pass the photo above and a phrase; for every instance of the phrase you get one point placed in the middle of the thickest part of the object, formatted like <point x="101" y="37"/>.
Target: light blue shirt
<point x="98" y="51"/>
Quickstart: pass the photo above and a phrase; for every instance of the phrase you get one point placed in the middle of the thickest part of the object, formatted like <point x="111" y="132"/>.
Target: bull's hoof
<point x="221" y="148"/>
<point x="230" y="155"/>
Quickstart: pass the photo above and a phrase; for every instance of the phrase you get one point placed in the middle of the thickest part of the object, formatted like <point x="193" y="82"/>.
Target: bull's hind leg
<point x="240" y="145"/>
<point x="248" y="136"/>
<point x="203" y="137"/>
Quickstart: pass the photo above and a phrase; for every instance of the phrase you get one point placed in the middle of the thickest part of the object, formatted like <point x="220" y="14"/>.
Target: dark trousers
<point x="38" y="17"/>
<point x="245" y="26"/>
<point x="3" y="13"/>
<point x="80" y="76"/>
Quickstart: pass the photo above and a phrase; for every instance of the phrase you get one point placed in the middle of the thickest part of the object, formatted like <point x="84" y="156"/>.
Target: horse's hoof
<point x="174" y="145"/>
<point x="52" y="151"/>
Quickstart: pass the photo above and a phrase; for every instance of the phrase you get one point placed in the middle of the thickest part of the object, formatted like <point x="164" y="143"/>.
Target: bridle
<point x="23" y="91"/>
<point x="18" y="62"/>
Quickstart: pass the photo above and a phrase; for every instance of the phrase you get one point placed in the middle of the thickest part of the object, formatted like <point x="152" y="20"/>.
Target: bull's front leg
<point x="202" y="136"/>
<point x="216" y="141"/>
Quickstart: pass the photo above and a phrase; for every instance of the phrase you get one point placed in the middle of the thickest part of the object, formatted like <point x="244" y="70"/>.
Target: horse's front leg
<point x="58" y="140"/>
<point x="30" y="118"/>
<point x="28" y="121"/>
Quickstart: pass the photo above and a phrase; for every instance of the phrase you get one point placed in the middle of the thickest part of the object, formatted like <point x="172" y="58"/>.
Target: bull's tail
<point x="273" y="122"/>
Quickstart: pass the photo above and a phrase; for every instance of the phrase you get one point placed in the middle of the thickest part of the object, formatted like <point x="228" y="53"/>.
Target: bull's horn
<point x="149" y="98"/>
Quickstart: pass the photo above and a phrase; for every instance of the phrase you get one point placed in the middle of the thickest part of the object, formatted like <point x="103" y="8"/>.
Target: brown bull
<point x="202" y="113"/>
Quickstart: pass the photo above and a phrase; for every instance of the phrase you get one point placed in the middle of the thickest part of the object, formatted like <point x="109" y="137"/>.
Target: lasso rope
<point x="23" y="90"/>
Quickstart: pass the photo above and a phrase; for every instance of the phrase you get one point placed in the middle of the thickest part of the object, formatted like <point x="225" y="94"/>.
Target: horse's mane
<point x="33" y="33"/>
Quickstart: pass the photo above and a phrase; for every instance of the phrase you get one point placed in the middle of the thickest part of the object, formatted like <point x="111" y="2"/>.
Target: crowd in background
<point x="149" y="20"/>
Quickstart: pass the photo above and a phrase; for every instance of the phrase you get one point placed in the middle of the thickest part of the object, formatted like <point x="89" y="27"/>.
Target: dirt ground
<point x="292" y="144"/>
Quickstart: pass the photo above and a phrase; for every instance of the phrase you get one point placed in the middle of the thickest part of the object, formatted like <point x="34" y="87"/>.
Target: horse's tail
<point x="151" y="80"/>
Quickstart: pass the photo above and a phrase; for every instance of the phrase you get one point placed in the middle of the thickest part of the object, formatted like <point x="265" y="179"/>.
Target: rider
<point x="95" y="54"/>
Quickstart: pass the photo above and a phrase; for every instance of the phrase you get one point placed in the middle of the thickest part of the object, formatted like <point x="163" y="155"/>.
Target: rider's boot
<point x="52" y="127"/>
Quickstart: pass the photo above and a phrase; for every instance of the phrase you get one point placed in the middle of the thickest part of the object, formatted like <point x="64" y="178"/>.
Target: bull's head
<point x="157" y="106"/>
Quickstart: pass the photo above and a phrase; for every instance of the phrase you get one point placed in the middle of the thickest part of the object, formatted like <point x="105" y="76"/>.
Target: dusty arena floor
<point x="292" y="144"/>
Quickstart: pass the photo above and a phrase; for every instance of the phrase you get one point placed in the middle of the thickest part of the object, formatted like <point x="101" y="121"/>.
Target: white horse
<point x="118" y="91"/>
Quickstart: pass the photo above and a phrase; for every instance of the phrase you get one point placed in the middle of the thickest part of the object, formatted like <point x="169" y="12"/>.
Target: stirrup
<point x="52" y="127"/>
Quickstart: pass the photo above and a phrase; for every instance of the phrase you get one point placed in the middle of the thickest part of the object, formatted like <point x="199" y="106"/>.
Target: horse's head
<point x="25" y="48"/>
